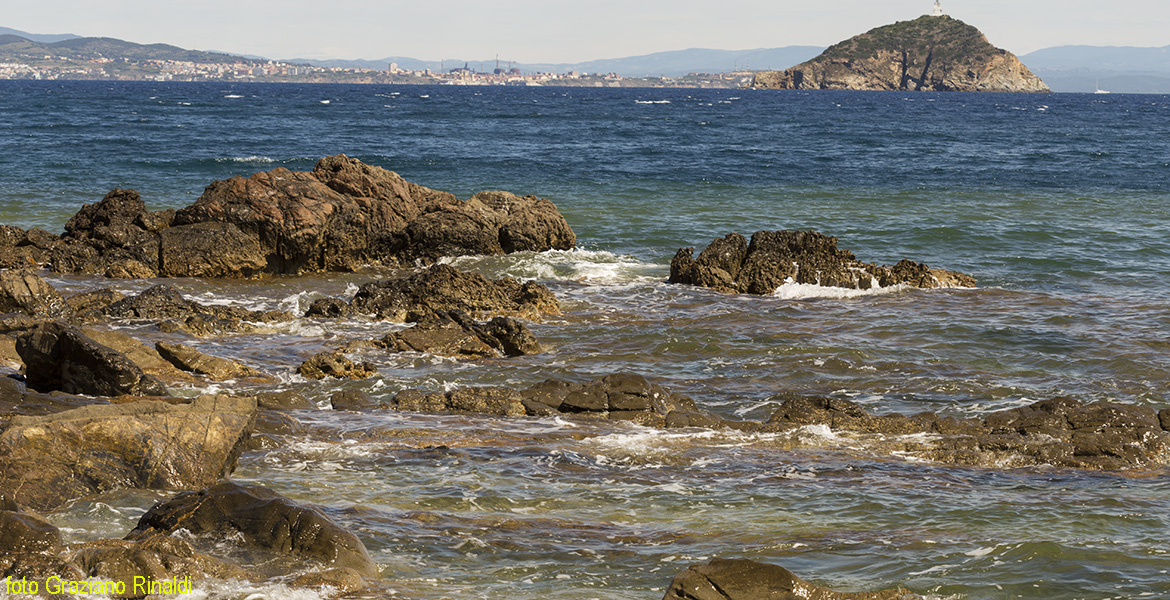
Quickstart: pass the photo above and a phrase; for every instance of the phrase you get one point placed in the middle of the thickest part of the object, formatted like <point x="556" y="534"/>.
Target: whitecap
<point x="652" y="101"/>
<point x="790" y="290"/>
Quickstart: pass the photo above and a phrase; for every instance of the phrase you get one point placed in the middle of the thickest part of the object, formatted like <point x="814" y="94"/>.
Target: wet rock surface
<point x="49" y="460"/>
<point x="739" y="579"/>
<point x="335" y="364"/>
<point x="255" y="516"/>
<point x="442" y="288"/>
<point x="772" y="258"/>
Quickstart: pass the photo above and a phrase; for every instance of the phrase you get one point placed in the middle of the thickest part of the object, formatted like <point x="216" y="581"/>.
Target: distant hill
<point x="675" y="63"/>
<point x="1115" y="68"/>
<point x="930" y="53"/>
<point x="34" y="37"/>
<point x="82" y="48"/>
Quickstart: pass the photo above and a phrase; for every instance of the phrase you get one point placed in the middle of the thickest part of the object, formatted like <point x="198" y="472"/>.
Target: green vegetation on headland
<point x="930" y="53"/>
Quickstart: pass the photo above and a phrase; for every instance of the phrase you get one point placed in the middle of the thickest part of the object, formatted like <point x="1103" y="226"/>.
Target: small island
<point x="933" y="53"/>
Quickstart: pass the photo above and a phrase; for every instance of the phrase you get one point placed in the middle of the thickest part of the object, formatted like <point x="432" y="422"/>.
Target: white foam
<point x="790" y="290"/>
<point x="590" y="266"/>
<point x="652" y="101"/>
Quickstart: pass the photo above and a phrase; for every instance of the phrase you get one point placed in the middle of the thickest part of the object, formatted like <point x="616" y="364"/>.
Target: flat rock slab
<point x="47" y="461"/>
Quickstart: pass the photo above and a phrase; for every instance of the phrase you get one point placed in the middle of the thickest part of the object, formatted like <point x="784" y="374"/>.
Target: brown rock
<point x="738" y="579"/>
<point x="335" y="364"/>
<point x="254" y="516"/>
<point x="25" y="292"/>
<point x="773" y="258"/>
<point x="442" y="288"/>
<point x="190" y="359"/>
<point x="60" y="357"/>
<point x="49" y="460"/>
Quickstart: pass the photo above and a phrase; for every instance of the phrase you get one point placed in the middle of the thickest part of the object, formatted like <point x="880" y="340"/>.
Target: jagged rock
<point x="731" y="264"/>
<point x="442" y="288"/>
<point x="49" y="460"/>
<point x="190" y="359"/>
<point x="346" y="214"/>
<point x="456" y="334"/>
<point x="20" y="249"/>
<point x="335" y="364"/>
<point x="939" y="54"/>
<point x="254" y="516"/>
<point x="740" y="579"/>
<point x="24" y="291"/>
<point x="61" y="357"/>
<point x="334" y="308"/>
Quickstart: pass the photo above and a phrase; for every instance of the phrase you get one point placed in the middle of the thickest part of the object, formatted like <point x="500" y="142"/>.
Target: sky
<point x="561" y="31"/>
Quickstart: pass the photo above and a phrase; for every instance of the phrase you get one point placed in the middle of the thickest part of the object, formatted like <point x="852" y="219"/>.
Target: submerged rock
<point x="254" y="516"/>
<point x="49" y="460"/>
<point x="772" y="258"/>
<point x="335" y="364"/>
<point x="442" y="288"/>
<point x="1060" y="432"/>
<point x="740" y="579"/>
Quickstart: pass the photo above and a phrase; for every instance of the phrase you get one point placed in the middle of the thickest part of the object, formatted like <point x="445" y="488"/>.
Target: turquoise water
<point x="1059" y="205"/>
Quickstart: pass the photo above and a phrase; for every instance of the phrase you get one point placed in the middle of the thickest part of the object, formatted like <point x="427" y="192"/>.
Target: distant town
<point x="50" y="67"/>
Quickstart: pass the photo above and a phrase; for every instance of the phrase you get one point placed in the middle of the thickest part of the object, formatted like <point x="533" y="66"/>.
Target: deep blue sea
<point x="1058" y="204"/>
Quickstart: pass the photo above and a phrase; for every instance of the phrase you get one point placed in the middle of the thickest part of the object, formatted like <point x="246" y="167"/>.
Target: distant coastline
<point x="66" y="57"/>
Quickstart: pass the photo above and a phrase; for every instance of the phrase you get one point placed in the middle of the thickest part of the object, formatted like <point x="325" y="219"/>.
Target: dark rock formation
<point x="455" y="333"/>
<point x="61" y="357"/>
<point x="49" y="460"/>
<point x="160" y="558"/>
<point x="335" y="364"/>
<point x="254" y="516"/>
<point x="341" y="216"/>
<point x="731" y="264"/>
<point x="939" y="54"/>
<point x="739" y="579"/>
<point x="442" y="288"/>
<point x="1060" y="432"/>
<point x="25" y="292"/>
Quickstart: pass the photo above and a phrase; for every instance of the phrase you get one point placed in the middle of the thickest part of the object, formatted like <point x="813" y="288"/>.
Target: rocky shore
<point x="91" y="409"/>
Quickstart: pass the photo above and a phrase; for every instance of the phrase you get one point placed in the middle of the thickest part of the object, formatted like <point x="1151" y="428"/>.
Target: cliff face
<point x="938" y="54"/>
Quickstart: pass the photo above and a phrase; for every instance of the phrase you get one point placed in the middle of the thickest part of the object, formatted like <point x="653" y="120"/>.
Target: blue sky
<point x="569" y="31"/>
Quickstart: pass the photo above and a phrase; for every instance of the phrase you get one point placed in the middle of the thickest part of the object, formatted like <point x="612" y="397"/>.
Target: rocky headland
<point x="928" y="54"/>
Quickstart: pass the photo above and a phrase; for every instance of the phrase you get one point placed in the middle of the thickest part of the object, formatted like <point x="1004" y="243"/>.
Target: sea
<point x="1058" y="204"/>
